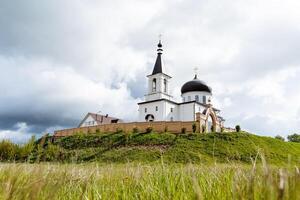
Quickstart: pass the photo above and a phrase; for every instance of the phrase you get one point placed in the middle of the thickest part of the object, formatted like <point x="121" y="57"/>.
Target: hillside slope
<point x="181" y="148"/>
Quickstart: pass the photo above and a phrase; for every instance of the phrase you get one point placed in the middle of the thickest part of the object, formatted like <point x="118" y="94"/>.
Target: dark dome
<point x="195" y="85"/>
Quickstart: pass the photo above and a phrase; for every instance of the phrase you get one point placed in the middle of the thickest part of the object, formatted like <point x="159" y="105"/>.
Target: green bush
<point x="294" y="138"/>
<point x="166" y="129"/>
<point x="278" y="137"/>
<point x="135" y="130"/>
<point x="203" y="127"/>
<point x="119" y="130"/>
<point x="149" y="129"/>
<point x="194" y="127"/>
<point x="237" y="128"/>
<point x="8" y="150"/>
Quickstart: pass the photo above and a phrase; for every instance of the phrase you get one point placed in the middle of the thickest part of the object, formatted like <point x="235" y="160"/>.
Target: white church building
<point x="196" y="103"/>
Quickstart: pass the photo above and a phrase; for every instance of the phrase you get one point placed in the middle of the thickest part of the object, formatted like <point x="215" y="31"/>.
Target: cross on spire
<point x="159" y="37"/>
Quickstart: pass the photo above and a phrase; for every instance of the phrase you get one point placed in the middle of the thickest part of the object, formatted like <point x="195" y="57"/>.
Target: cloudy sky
<point x="62" y="59"/>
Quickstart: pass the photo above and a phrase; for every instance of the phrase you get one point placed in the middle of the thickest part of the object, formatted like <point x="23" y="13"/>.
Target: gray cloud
<point x="59" y="60"/>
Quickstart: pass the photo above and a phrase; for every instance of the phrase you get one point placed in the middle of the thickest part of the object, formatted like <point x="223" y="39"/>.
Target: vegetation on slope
<point x="180" y="148"/>
<point x="155" y="147"/>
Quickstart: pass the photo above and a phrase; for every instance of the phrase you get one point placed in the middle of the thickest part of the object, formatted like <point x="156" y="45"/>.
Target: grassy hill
<point x="170" y="148"/>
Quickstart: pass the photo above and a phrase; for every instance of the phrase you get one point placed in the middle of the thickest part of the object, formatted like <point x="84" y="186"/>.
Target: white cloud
<point x="19" y="135"/>
<point x="59" y="60"/>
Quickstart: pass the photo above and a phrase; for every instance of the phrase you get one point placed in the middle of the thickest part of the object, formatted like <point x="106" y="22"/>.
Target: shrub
<point x="194" y="127"/>
<point x="278" y="137"/>
<point x="237" y="128"/>
<point x="183" y="130"/>
<point x="203" y="127"/>
<point x="135" y="130"/>
<point x="166" y="128"/>
<point x="213" y="129"/>
<point x="119" y="130"/>
<point x="8" y="150"/>
<point x="293" y="138"/>
<point x="149" y="129"/>
<point x="222" y="129"/>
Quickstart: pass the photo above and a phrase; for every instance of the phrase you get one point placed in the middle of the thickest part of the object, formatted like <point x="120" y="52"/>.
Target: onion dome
<point x="195" y="85"/>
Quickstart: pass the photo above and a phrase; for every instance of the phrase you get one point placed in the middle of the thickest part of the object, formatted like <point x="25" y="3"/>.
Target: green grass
<point x="151" y="166"/>
<point x="181" y="148"/>
<point x="148" y="181"/>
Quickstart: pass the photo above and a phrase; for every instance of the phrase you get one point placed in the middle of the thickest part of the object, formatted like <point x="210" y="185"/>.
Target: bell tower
<point x="158" y="81"/>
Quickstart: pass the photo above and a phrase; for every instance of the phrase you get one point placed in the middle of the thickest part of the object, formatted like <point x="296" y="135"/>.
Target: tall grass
<point x="148" y="181"/>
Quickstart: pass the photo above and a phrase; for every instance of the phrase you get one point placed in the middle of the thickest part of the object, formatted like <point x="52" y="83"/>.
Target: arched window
<point x="154" y="85"/>
<point x="183" y="99"/>
<point x="165" y="85"/>
<point x="197" y="98"/>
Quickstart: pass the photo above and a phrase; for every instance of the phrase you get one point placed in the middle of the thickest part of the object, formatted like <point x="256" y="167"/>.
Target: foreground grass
<point x="148" y="181"/>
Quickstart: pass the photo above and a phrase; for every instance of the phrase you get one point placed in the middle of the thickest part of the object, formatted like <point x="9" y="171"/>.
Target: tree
<point x="237" y="128"/>
<point x="278" y="137"/>
<point x="294" y="138"/>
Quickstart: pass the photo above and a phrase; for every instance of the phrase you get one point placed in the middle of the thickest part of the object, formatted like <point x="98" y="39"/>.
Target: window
<point x="145" y="110"/>
<point x="197" y="98"/>
<point x="171" y="109"/>
<point x="204" y="99"/>
<point x="171" y="119"/>
<point x="156" y="108"/>
<point x="165" y="85"/>
<point x="154" y="85"/>
<point x="183" y="99"/>
<point x="189" y="98"/>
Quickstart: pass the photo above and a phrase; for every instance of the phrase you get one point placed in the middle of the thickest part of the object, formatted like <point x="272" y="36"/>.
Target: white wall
<point x="164" y="111"/>
<point x="89" y="121"/>
<point x="193" y="95"/>
<point x="159" y="93"/>
<point x="187" y="112"/>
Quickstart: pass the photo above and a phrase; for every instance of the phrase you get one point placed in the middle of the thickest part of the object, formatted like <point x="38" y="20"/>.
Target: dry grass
<point x="148" y="181"/>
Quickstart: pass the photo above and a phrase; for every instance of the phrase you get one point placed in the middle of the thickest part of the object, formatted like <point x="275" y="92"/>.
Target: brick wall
<point x="174" y="127"/>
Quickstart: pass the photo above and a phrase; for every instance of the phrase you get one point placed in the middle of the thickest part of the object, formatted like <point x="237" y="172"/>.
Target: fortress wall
<point x="160" y="126"/>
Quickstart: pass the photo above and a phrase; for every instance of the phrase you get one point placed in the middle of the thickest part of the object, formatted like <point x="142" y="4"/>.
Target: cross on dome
<point x="196" y="72"/>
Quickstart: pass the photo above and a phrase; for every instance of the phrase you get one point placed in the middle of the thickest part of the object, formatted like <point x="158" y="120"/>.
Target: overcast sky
<point x="62" y="59"/>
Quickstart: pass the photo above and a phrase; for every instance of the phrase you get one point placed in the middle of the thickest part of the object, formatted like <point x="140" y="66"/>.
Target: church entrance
<point x="210" y="124"/>
<point x="149" y="118"/>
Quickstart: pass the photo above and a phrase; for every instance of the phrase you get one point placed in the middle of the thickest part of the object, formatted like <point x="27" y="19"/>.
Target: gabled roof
<point x="101" y="119"/>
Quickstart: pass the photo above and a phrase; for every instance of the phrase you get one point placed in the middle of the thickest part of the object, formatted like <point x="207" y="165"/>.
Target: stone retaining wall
<point x="173" y="127"/>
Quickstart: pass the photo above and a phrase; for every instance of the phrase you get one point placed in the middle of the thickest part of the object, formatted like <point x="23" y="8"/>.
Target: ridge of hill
<point x="239" y="147"/>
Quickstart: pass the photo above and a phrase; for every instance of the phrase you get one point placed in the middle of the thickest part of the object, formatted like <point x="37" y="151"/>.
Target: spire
<point x="158" y="63"/>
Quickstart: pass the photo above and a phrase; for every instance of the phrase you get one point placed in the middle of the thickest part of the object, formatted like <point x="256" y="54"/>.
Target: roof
<point x="158" y="66"/>
<point x="195" y="85"/>
<point x="101" y="119"/>
<point x="187" y="102"/>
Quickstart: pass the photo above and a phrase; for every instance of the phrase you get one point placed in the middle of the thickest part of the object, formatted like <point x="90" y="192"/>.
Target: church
<point x="196" y="100"/>
<point x="159" y="111"/>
